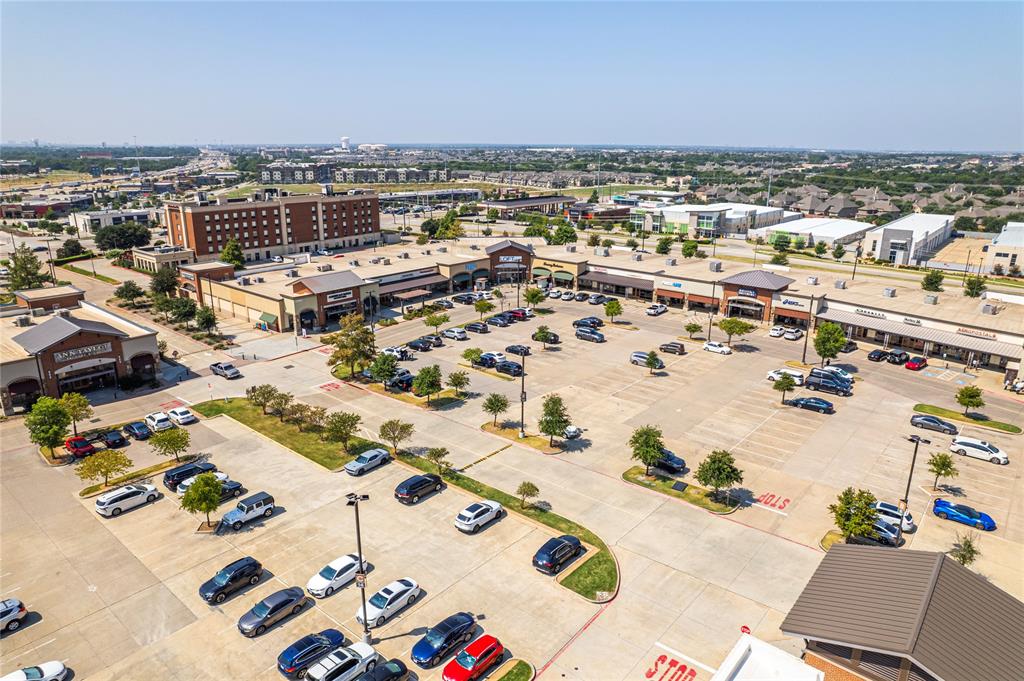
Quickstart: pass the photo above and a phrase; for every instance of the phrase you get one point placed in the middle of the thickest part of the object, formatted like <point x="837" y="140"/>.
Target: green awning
<point x="563" y="276"/>
<point x="541" y="272"/>
<point x="268" y="318"/>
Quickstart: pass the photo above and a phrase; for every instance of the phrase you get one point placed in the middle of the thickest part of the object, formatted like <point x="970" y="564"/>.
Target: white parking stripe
<point x="676" y="653"/>
<point x="26" y="652"/>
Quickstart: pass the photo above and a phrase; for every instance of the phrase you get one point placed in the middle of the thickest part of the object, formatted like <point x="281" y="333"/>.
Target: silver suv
<point x="248" y="509"/>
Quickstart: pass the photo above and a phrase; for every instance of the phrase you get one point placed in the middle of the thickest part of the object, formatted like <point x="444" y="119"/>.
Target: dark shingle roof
<point x="56" y="329"/>
<point x="759" y="279"/>
<point x="917" y="604"/>
<point x="507" y="243"/>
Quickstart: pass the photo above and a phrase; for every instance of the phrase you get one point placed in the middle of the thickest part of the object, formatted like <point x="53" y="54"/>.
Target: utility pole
<point x="856" y="257"/>
<point x="810" y="311"/>
<point x="353" y="501"/>
<point x="966" y="267"/>
<point x="522" y="402"/>
<point x="918" y="441"/>
<point x="714" y="306"/>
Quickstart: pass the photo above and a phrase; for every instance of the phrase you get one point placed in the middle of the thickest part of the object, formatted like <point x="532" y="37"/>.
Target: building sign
<point x="470" y="266"/>
<point x="79" y="353"/>
<point x="407" y="275"/>
<point x="870" y="313"/>
<point x="552" y="265"/>
<point x="673" y="284"/>
<point x="340" y="295"/>
<point x="977" y="333"/>
<point x="913" y="321"/>
<point x="510" y="258"/>
<point x="791" y="302"/>
<point x="188" y="275"/>
<point x="748" y="292"/>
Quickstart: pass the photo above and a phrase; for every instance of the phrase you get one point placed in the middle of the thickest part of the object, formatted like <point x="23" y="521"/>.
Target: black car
<point x="271" y="610"/>
<point x="897" y="357"/>
<point x="849" y="347"/>
<point x="409" y="491"/>
<point x="420" y="345"/>
<point x="295" y="660"/>
<point x="436" y="341"/>
<point x="464" y="298"/>
<point x="580" y="297"/>
<point x="553" y="338"/>
<point x="442" y="638"/>
<point x="477" y="327"/>
<point x="521" y="350"/>
<point x="174" y="476"/>
<point x="556" y="552"/>
<point x="828" y="385"/>
<point x="878" y="355"/>
<point x="670" y="462"/>
<point x="445" y="303"/>
<point x="673" y="348"/>
<point x="589" y="334"/>
<point x="113" y="439"/>
<point x="509" y="368"/>
<point x="137" y="430"/>
<point x="591" y="322"/>
<point x="813" y="403"/>
<point x="231" y="578"/>
<point x="488" y="361"/>
<point x="498" y="321"/>
<point x="392" y="670"/>
<point x="401" y="383"/>
<point x="230" y="489"/>
<point x="508" y="317"/>
<point x="933" y="423"/>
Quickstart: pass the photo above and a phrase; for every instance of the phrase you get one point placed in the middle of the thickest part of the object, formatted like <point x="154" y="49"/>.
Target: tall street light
<point x="918" y="441"/>
<point x="353" y="501"/>
<point x="711" y="315"/>
<point x="522" y="401"/>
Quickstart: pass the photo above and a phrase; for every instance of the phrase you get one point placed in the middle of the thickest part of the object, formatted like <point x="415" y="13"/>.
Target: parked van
<point x="250" y="508"/>
<point x="829" y="384"/>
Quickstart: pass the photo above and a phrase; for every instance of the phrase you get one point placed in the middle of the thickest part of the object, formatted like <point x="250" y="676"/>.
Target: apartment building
<point x="270" y="223"/>
<point x="389" y="175"/>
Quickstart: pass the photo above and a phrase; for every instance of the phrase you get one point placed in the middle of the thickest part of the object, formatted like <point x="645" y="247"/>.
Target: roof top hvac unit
<point x="840" y="283"/>
<point x="989" y="308"/>
<point x="23" y="320"/>
<point x="601" y="251"/>
<point x="812" y="281"/>
<point x="889" y="292"/>
<point x="570" y="248"/>
<point x="637" y="257"/>
<point x="291" y="274"/>
<point x="353" y="263"/>
<point x="244" y="281"/>
<point x="326" y="267"/>
<point x="403" y="255"/>
<point x="931" y="299"/>
<point x="442" y="249"/>
<point x="715" y="265"/>
<point x="670" y="261"/>
<point x="385" y="261"/>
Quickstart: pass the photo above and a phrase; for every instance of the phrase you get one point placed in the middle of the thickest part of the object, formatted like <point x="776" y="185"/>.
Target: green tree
<point x="384" y="367"/>
<point x="492" y="213"/>
<point x="104" y="464"/>
<point x="854" y="513"/>
<point x="436" y="321"/>
<point x="394" y="432"/>
<point x="969" y="397"/>
<point x="838" y="252"/>
<point x="607" y="243"/>
<point x="427" y="381"/>
<point x="718" y="471"/>
<point x="70" y="249"/>
<point x="941" y="465"/>
<point x="25" y="270"/>
<point x="964" y="224"/>
<point x="341" y="426"/>
<point x="472" y="355"/>
<point x="781" y="243"/>
<point x="171" y="442"/>
<point x="298" y="413"/>
<point x="829" y="339"/>
<point x="500" y="297"/>
<point x="652" y="361"/>
<point x="594" y="198"/>
<point x="593" y="240"/>
<point x="554" y="417"/>
<point x="483" y="307"/>
<point x="965" y="548"/>
<point x="183" y="310"/>
<point x="129" y="292"/>
<point x="932" y="281"/>
<point x="689" y="248"/>
<point x="564" y="234"/>
<point x="820" y="248"/>
<point x="974" y="287"/>
<point x="439" y="457"/>
<point x="664" y="246"/>
<point x="692" y="328"/>
<point x="279" y="404"/>
<point x="496" y="404"/>
<point x="206" y="319"/>
<point x="316" y="417"/>
<point x="163" y="305"/>
<point x="734" y="326"/>
<point x="779" y="259"/>
<point x="533" y="296"/>
<point x="526" y="490"/>
<point x="647" y="445"/>
<point x="537" y="230"/>
<point x="459" y="381"/>
<point x="632" y="243"/>
<point x="78" y="408"/>
<point x="125" y="235"/>
<point x="543" y="334"/>
<point x="202" y="496"/>
<point x="164" y="282"/>
<point x="48" y="422"/>
<point x="261" y="395"/>
<point x="784" y="384"/>
<point x="353" y="343"/>
<point x="612" y="309"/>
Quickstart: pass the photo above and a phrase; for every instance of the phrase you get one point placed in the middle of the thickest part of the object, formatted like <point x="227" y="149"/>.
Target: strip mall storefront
<point x="558" y="274"/>
<point x="618" y="282"/>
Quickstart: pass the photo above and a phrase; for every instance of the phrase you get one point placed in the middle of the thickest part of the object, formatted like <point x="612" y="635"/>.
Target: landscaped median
<point x="514" y="670"/>
<point x="952" y="415"/>
<point x="698" y="496"/>
<point x="439" y="400"/>
<point x="596" y="578"/>
<point x="87" y="273"/>
<point x="134" y="476"/>
<point x="511" y="432"/>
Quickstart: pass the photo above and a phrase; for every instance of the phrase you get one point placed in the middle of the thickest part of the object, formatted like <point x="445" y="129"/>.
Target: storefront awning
<point x="618" y="280"/>
<point x="415" y="293"/>
<point x="563" y="276"/>
<point x="268" y="318"/>
<point x="85" y="364"/>
<point x="541" y="272"/>
<point x="412" y="283"/>
<point x="958" y="340"/>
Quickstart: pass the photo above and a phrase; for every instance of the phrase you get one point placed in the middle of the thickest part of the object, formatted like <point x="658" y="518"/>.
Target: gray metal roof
<point x="759" y="279"/>
<point x="917" y="604"/>
<point x="56" y="329"/>
<point x="507" y="243"/>
<point x="323" y="283"/>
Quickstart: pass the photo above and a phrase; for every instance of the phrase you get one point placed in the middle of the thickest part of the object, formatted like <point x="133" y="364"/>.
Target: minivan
<point x="250" y="508"/>
<point x="828" y="384"/>
<point x="833" y="375"/>
<point x="179" y="474"/>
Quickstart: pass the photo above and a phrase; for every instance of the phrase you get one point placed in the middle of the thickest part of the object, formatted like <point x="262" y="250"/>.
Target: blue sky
<point x="831" y="75"/>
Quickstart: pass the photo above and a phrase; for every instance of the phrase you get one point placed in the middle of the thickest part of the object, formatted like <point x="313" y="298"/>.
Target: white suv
<point x="124" y="498"/>
<point x="158" y="421"/>
<point x="979" y="449"/>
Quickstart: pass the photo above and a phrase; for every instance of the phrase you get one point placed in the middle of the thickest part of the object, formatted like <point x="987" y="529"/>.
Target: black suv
<point x="230" y="489"/>
<point x="509" y="368"/>
<point x="409" y="491"/>
<point x="591" y="322"/>
<point x="556" y="552"/>
<point x="831" y="384"/>
<point x="174" y="476"/>
<point x="897" y="357"/>
<point x="477" y="327"/>
<point x="230" y="579"/>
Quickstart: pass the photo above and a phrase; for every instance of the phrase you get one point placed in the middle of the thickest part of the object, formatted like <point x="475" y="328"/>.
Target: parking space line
<point x="26" y="652"/>
<point x="695" y="663"/>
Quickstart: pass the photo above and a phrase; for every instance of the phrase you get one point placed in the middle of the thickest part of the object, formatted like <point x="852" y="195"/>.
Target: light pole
<point x="353" y="501"/>
<point x="522" y="402"/>
<point x="918" y="441"/>
<point x="810" y="311"/>
<point x="856" y="257"/>
<point x="714" y="305"/>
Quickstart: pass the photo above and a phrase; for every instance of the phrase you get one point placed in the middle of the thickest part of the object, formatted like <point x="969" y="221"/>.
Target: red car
<point x="916" y="363"/>
<point x="78" y="447"/>
<point x="475" y="660"/>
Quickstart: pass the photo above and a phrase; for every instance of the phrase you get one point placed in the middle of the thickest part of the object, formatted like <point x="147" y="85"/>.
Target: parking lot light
<point x="522" y="401"/>
<point x="905" y="502"/>
<point x="353" y="500"/>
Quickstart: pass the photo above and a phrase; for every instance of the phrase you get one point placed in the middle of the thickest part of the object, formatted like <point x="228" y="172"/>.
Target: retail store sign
<point x="673" y="284"/>
<point x="510" y="258"/>
<point x="977" y="333"/>
<point x="913" y="321"/>
<point x="748" y="292"/>
<point x="870" y="313"/>
<point x="187" y="275"/>
<point x="340" y="295"/>
<point x="79" y="353"/>
<point x="790" y="302"/>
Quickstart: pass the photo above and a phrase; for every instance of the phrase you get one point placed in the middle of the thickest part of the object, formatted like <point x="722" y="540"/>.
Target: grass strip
<point x="973" y="420"/>
<point x="698" y="496"/>
<point x="587" y="580"/>
<point x="87" y="273"/>
<point x="831" y="537"/>
<point x="511" y="432"/>
<point x="133" y="476"/>
<point x="439" y="400"/>
<point x="490" y="372"/>
<point x="519" y="672"/>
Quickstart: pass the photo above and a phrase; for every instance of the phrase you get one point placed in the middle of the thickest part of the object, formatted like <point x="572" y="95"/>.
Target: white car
<point x="890" y="513"/>
<point x="555" y="293"/>
<point x="4" y="272"/>
<point x="457" y="333"/>
<point x="568" y="295"/>
<point x="333" y="576"/>
<point x="188" y="482"/>
<point x="477" y="514"/>
<point x="123" y="498"/>
<point x="158" y="421"/>
<point x="841" y="373"/>
<point x="367" y="461"/>
<point x="323" y="252"/>
<point x="388" y="601"/>
<point x="47" y="671"/>
<point x="277" y="258"/>
<point x="979" y="449"/>
<point x="715" y="346"/>
<point x="181" y="416"/>
<point x="483" y="295"/>
<point x="344" y="664"/>
<point x="777" y="332"/>
<point x="499" y="357"/>
<point x="793" y="334"/>
<point x="798" y="377"/>
<point x="398" y="352"/>
<point x="657" y="309"/>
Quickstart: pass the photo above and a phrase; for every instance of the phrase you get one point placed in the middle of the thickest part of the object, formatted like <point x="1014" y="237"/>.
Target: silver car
<point x="367" y="461"/>
<point x="890" y="513"/>
<point x="11" y="613"/>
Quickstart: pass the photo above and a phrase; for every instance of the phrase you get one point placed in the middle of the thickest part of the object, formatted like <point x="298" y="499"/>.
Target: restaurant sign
<point x="977" y="333"/>
<point x="79" y="353"/>
<point x="870" y="313"/>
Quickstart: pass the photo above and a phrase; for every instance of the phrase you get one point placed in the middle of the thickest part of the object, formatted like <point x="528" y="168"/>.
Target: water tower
<point x="344" y="143"/>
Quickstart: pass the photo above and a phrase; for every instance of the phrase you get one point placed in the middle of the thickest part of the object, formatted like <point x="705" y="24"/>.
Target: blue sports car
<point x="963" y="514"/>
<point x="443" y="638"/>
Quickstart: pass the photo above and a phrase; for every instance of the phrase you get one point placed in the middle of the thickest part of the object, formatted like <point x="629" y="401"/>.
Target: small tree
<point x="472" y="355"/>
<point x="483" y="307"/>
<point x="458" y="380"/>
<point x="941" y="465"/>
<point x="298" y="413"/>
<point x="353" y="343"/>
<point x="554" y="417"/>
<point x="974" y="287"/>
<point x="206" y="319"/>
<point x="652" y="361"/>
<point x="48" y="422"/>
<point x="384" y="368"/>
<point x="104" y="464"/>
<point x="232" y="254"/>
<point x="316" y="417"/>
<point x="77" y="407"/>
<point x="969" y="397"/>
<point x="733" y="326"/>
<point x="427" y="381"/>
<point x="171" y="442"/>
<point x="261" y="395"/>
<point x="164" y="282"/>
<point x="439" y="457"/>
<point x="280" y="402"/>
<point x="785" y="383"/>
<point x="129" y="292"/>
<point x="664" y="246"/>
<point x="932" y="281"/>
<point x="718" y="471"/>
<point x="526" y="490"/>
<point x="692" y="328"/>
<point x="647" y="445"/>
<point x="533" y="296"/>
<point x="779" y="259"/>
<point x="854" y="513"/>
<point x="820" y="248"/>
<point x="183" y="310"/>
<point x="593" y="240"/>
<point x="612" y="309"/>
<point x="689" y="249"/>
<point x="436" y="321"/>
<point x="838" y="252"/>
<point x="500" y="297"/>
<point x="829" y="339"/>
<point x="394" y="432"/>
<point x="965" y="548"/>
<point x="163" y="305"/>
<point x="781" y="243"/>
<point x="203" y="495"/>
<point x="492" y="213"/>
<point x="496" y="404"/>
<point x="543" y="334"/>
<point x="341" y="426"/>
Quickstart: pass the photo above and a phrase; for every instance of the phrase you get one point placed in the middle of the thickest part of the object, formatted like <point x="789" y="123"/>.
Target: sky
<point x="872" y="75"/>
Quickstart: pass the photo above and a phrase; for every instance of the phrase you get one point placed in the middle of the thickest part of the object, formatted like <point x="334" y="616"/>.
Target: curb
<point x="53" y="464"/>
<point x="972" y="423"/>
<point x="135" y="478"/>
<point x="683" y="501"/>
<point x="511" y="662"/>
